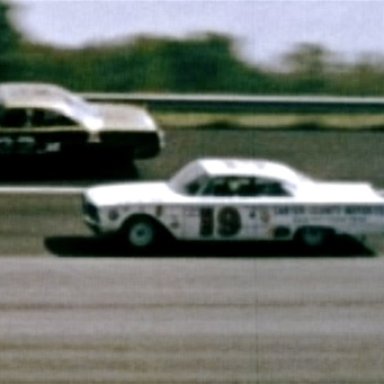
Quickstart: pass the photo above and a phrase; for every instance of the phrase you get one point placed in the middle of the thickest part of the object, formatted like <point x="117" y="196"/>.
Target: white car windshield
<point x="189" y="180"/>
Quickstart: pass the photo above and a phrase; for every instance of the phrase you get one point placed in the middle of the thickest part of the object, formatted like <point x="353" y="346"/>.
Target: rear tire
<point x="314" y="237"/>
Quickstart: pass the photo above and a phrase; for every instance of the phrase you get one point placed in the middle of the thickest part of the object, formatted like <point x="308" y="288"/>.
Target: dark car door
<point x="38" y="131"/>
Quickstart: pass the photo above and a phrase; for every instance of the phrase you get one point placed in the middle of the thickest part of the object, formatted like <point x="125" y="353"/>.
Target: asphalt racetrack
<point x="74" y="309"/>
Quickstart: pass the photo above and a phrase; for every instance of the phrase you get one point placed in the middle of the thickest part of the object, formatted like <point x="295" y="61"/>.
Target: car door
<point x="262" y="197"/>
<point x="55" y="131"/>
<point x="233" y="208"/>
<point x="14" y="135"/>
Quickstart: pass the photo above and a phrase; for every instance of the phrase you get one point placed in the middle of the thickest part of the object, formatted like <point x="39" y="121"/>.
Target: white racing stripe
<point x="49" y="190"/>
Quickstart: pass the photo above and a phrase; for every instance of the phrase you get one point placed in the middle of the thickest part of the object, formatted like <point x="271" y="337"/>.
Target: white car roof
<point x="50" y="97"/>
<point x="32" y="94"/>
<point x="250" y="167"/>
<point x="53" y="97"/>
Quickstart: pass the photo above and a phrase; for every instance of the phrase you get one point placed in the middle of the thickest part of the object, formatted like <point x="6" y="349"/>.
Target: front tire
<point x="140" y="232"/>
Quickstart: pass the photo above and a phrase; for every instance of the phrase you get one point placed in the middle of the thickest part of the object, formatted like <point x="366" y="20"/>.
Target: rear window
<point x="13" y="118"/>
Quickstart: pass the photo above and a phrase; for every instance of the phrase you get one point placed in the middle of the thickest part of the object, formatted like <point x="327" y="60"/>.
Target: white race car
<point x="234" y="199"/>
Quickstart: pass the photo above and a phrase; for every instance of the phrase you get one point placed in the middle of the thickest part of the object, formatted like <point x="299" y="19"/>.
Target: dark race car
<point x="43" y="119"/>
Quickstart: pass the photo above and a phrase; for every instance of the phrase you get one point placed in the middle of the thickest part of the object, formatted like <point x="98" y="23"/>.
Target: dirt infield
<point x="322" y="153"/>
<point x="328" y="154"/>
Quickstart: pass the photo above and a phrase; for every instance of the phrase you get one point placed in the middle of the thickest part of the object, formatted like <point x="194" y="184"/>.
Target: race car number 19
<point x="228" y="222"/>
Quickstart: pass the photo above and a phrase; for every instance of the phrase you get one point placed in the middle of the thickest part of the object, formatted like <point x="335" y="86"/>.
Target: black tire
<point x="140" y="232"/>
<point x="314" y="237"/>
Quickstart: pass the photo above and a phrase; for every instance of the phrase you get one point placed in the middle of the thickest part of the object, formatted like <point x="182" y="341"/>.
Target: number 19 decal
<point x="228" y="222"/>
<point x="206" y="222"/>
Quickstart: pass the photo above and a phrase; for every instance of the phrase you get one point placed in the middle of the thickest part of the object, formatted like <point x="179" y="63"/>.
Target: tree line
<point x="204" y="63"/>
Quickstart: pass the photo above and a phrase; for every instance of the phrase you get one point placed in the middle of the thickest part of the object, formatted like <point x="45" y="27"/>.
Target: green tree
<point x="309" y="66"/>
<point x="9" y="42"/>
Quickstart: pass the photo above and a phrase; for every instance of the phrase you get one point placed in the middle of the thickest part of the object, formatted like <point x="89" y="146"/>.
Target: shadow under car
<point x="89" y="246"/>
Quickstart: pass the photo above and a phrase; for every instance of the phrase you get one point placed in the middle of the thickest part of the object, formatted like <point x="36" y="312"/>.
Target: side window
<point x="48" y="118"/>
<point x="245" y="187"/>
<point x="269" y="188"/>
<point x="218" y="187"/>
<point x="229" y="186"/>
<point x="13" y="118"/>
<point x="19" y="118"/>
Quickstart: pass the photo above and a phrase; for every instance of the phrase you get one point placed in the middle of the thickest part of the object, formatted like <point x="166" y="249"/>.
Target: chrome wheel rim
<point x="141" y="234"/>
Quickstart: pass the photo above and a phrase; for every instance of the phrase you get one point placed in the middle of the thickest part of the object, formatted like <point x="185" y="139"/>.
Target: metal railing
<point x="245" y="104"/>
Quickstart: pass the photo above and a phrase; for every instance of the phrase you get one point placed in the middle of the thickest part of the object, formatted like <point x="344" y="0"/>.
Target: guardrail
<point x="245" y="104"/>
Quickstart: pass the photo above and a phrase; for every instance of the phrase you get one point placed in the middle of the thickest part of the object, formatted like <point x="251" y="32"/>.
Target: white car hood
<point x="131" y="193"/>
<point x="337" y="192"/>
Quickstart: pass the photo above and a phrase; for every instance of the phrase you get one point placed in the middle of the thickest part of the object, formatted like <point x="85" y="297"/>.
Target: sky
<point x="264" y="30"/>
